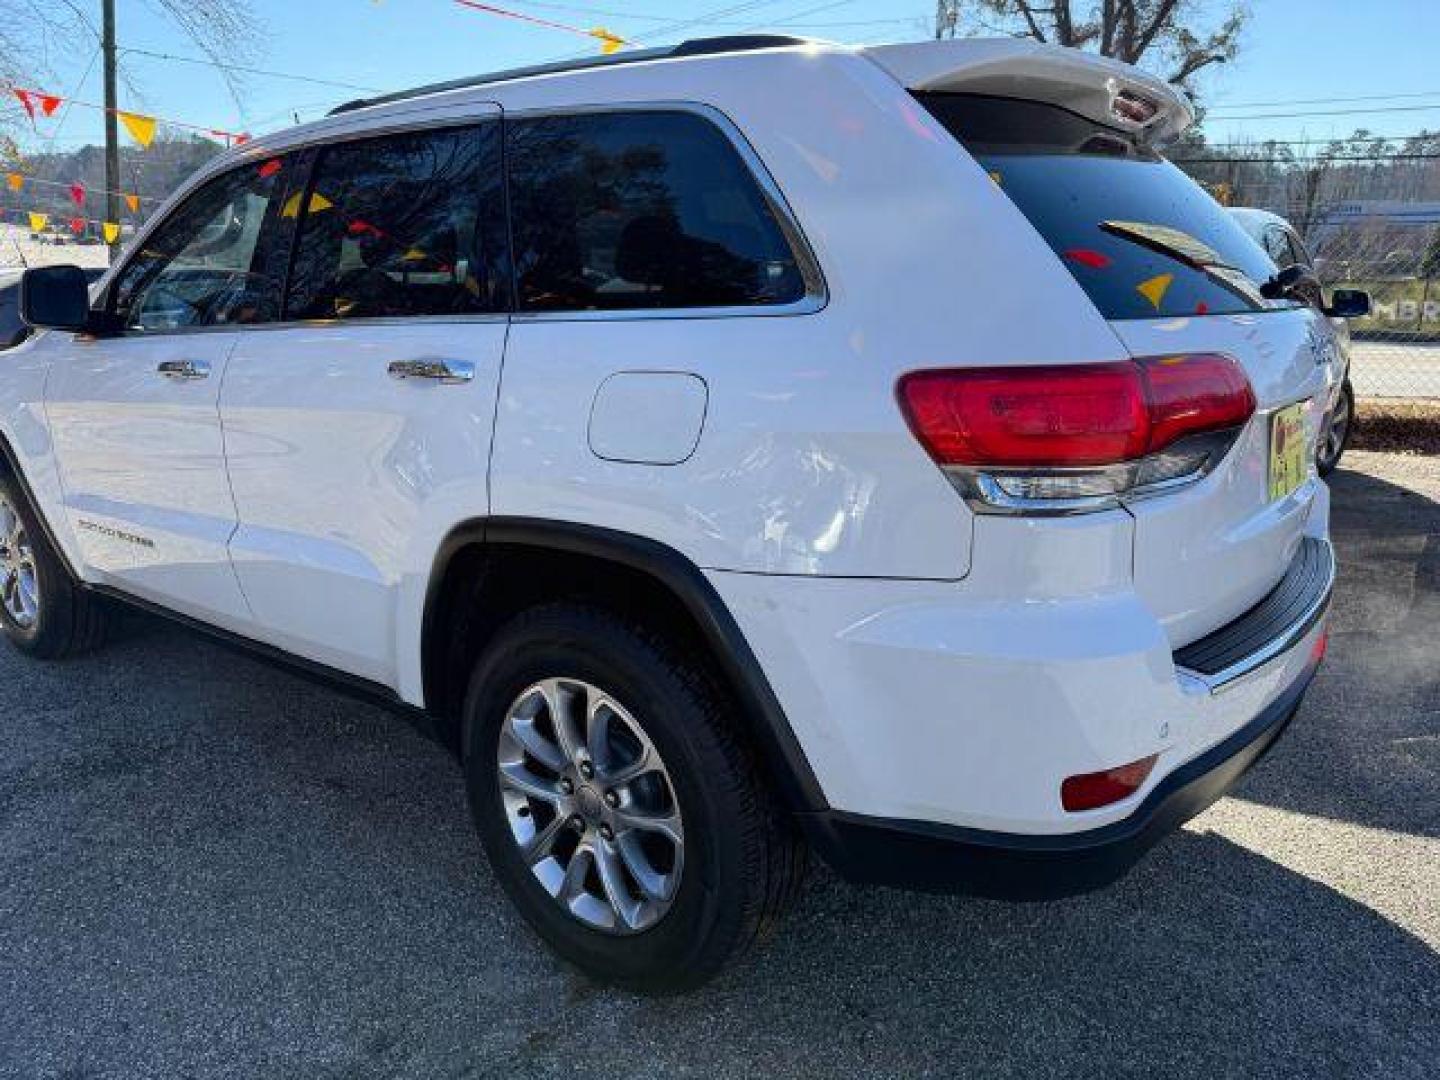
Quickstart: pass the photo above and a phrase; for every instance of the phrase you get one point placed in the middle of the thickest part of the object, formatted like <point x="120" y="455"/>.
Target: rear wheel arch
<point x="488" y="570"/>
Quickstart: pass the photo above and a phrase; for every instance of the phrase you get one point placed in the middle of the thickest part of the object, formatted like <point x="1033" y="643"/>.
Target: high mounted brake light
<point x="1066" y="439"/>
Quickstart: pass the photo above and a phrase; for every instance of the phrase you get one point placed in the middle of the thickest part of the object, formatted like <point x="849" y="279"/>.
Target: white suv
<point x="750" y="447"/>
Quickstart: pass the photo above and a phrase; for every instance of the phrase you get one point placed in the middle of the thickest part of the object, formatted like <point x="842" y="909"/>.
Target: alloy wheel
<point x="19" y="585"/>
<point x="591" y="805"/>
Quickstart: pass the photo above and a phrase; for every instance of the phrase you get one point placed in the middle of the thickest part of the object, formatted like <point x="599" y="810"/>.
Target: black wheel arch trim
<point x="782" y="755"/>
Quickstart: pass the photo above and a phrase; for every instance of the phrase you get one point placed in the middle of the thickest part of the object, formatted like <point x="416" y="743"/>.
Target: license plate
<point x="1289" y="458"/>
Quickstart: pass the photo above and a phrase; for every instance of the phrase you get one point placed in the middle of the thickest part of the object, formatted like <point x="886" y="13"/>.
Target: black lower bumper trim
<point x="947" y="858"/>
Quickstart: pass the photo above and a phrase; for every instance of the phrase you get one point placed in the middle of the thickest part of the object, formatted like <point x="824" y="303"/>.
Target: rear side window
<point x="401" y="226"/>
<point x="641" y="210"/>
<point x="1141" y="238"/>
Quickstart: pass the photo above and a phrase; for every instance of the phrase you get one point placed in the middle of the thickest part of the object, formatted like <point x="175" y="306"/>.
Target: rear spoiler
<point x="1096" y="87"/>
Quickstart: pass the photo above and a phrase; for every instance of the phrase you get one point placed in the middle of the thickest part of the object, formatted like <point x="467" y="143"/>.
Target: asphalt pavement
<point x="210" y="868"/>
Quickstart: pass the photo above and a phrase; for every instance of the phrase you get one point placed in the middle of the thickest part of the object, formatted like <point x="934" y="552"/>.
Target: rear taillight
<point x="1077" y="437"/>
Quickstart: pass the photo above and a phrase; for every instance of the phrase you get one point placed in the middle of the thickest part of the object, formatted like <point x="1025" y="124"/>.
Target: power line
<point x="247" y="70"/>
<point x="1329" y="112"/>
<point x="1324" y="100"/>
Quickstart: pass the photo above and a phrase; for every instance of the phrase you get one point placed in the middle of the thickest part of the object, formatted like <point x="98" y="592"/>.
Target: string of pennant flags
<point x="609" y="43"/>
<point x="140" y="126"/>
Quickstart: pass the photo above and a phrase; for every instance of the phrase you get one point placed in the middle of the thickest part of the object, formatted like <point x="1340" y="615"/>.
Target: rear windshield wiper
<point x="1193" y="252"/>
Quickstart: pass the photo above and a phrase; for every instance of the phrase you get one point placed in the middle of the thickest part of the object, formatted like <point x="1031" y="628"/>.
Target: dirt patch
<point x="1400" y="427"/>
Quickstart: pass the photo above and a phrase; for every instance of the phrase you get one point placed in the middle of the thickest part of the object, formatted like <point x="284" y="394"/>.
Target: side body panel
<point x="26" y="432"/>
<point x="143" y="465"/>
<point x="346" y="479"/>
<point x="805" y="465"/>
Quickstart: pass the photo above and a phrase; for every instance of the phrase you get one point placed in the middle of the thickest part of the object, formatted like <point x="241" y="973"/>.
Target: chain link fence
<point x="1368" y="210"/>
<point x="1391" y="249"/>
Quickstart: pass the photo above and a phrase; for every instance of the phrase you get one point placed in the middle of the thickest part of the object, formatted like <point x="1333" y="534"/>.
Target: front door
<point x="135" y="414"/>
<point x="360" y="427"/>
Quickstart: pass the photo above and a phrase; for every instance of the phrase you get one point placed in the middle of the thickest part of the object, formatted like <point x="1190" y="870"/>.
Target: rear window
<point x="1141" y="238"/>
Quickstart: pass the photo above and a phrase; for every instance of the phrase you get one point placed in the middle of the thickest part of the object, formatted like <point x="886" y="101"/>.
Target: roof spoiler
<point x="1104" y="90"/>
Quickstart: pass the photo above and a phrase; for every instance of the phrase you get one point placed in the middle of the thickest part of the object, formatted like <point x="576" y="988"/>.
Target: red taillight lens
<point x="1090" y="791"/>
<point x="1085" y="414"/>
<point x="1191" y="394"/>
<point x="1090" y="414"/>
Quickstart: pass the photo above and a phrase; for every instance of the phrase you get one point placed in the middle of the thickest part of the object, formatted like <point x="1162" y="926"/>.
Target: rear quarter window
<point x="1141" y="238"/>
<point x="641" y="210"/>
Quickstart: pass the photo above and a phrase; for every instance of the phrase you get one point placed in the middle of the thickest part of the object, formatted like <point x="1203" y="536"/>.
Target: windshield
<point x="1141" y="237"/>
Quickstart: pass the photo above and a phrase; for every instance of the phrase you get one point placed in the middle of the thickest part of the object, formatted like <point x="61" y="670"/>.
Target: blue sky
<point x="1294" y="51"/>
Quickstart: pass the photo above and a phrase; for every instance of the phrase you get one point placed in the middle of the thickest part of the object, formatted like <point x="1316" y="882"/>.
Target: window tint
<point x="404" y="225"/>
<point x="205" y="265"/>
<point x="1141" y="238"/>
<point x="641" y="210"/>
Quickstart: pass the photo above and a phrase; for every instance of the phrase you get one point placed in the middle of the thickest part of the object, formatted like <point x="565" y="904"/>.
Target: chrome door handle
<point x="441" y="371"/>
<point x="184" y="370"/>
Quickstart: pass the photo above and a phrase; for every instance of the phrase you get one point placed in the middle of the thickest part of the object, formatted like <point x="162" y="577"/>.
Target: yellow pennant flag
<point x="141" y="128"/>
<point x="111" y="231"/>
<point x="609" y="43"/>
<point x="133" y="202"/>
<point x="1155" y="288"/>
<point x="16" y="181"/>
<point x="38" y="222"/>
<point x="318" y="203"/>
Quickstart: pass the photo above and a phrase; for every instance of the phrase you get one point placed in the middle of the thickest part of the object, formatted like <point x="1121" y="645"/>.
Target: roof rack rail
<point x="694" y="47"/>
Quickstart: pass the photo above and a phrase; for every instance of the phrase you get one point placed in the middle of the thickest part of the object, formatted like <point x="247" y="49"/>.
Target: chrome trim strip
<point x="1275" y="647"/>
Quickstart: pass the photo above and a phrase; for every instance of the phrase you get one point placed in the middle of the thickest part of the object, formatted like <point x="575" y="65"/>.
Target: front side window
<point x="206" y="265"/>
<point x="641" y="210"/>
<point x="401" y="226"/>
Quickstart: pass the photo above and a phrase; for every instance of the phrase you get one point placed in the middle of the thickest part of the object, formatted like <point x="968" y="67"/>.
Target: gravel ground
<point x="211" y="869"/>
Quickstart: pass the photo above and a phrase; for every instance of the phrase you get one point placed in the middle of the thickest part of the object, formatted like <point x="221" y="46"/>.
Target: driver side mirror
<point x="55" y="298"/>
<point x="1348" y="304"/>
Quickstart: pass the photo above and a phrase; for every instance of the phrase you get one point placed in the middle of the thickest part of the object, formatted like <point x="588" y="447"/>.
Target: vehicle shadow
<point x="1366" y="745"/>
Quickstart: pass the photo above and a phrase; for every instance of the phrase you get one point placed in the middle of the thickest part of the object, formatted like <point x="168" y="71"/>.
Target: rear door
<point x="1174" y="274"/>
<point x="134" y="415"/>
<point x="372" y="402"/>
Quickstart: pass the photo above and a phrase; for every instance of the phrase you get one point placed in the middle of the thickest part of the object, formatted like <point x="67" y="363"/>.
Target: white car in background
<point x="1285" y="248"/>
<point x="743" y="448"/>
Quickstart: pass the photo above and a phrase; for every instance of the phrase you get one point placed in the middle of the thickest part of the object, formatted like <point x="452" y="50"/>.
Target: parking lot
<point x="211" y="868"/>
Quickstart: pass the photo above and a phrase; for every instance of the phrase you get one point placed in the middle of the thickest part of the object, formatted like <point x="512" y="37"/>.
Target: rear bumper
<point x="945" y="858"/>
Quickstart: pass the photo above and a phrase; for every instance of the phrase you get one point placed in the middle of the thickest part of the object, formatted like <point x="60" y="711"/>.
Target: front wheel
<point x="1336" y="436"/>
<point x="621" y="811"/>
<point x="43" y="611"/>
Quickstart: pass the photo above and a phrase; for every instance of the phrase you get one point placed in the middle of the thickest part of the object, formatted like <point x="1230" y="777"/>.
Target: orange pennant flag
<point x="609" y="43"/>
<point x="133" y="202"/>
<point x="111" y="230"/>
<point x="38" y="222"/>
<point x="15" y="180"/>
<point x="141" y="128"/>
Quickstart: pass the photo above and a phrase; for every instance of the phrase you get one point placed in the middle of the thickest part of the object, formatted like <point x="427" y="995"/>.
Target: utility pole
<point x="112" y="127"/>
<point x="947" y="18"/>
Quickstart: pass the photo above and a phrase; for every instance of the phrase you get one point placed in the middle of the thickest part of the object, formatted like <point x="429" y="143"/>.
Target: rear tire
<point x="43" y="611"/>
<point x="1336" y="437"/>
<point x="723" y="864"/>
